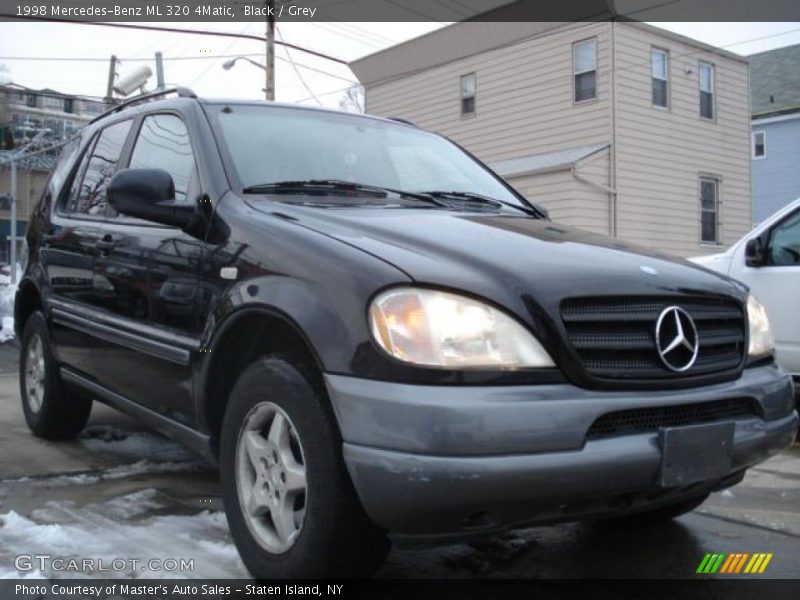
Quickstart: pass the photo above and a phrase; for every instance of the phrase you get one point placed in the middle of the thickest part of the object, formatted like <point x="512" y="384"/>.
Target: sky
<point x="196" y="61"/>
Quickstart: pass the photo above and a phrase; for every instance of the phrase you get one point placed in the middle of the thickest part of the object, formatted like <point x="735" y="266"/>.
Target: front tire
<point x="51" y="411"/>
<point x="291" y="507"/>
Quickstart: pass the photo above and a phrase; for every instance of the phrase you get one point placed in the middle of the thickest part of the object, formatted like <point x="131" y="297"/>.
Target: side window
<point x="709" y="210"/>
<point x="659" y="69"/>
<point x="468" y="92"/>
<point x="584" y="67"/>
<point x="707" y="84"/>
<point x="88" y="193"/>
<point x="65" y="161"/>
<point x="163" y="143"/>
<point x="784" y="243"/>
<point x="759" y="144"/>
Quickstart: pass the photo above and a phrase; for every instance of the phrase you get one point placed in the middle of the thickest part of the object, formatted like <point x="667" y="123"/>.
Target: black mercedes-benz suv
<point x="376" y="338"/>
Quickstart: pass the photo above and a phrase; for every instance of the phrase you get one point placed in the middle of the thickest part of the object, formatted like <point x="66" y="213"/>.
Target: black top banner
<point x="400" y="10"/>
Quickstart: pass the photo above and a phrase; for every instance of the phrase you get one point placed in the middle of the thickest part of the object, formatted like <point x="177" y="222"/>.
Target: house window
<point x="468" y="89"/>
<point x="659" y="69"/>
<point x="31" y="100"/>
<point x="759" y="144"/>
<point x="69" y="105"/>
<point x="706" y="71"/>
<point x="709" y="210"/>
<point x="53" y="102"/>
<point x="584" y="63"/>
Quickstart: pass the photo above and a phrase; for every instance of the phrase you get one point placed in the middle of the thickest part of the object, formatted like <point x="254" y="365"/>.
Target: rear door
<point x="69" y="250"/>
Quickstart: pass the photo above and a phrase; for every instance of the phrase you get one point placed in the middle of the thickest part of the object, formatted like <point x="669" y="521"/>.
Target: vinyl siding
<point x="523" y="102"/>
<point x="568" y="200"/>
<point x="662" y="153"/>
<point x="776" y="177"/>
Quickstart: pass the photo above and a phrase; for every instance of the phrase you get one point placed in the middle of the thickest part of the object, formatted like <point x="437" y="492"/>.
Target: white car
<point x="768" y="261"/>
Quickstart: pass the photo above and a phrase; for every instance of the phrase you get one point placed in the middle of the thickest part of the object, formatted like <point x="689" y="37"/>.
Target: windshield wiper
<point x="473" y="197"/>
<point x="337" y="185"/>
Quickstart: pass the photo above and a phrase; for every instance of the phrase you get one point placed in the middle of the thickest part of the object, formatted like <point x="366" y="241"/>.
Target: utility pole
<point x="160" y="72"/>
<point x="270" y="89"/>
<point x="13" y="232"/>
<point x="112" y="74"/>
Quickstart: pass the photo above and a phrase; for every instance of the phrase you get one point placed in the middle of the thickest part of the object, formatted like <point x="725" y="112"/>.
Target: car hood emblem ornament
<point x="677" y="341"/>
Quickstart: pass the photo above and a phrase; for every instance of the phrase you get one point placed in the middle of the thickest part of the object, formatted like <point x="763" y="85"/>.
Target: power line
<point x="172" y="58"/>
<point x="243" y="36"/>
<point x="296" y="70"/>
<point x="336" y="91"/>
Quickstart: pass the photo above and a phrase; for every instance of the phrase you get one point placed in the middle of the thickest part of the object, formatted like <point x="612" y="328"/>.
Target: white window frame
<point x="665" y="52"/>
<point x="762" y="133"/>
<point x="462" y="95"/>
<point x="712" y="68"/>
<point x="575" y="71"/>
<point x="717" y="203"/>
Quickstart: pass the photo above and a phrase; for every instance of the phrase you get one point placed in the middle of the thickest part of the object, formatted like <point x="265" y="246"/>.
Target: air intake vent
<point x="641" y="420"/>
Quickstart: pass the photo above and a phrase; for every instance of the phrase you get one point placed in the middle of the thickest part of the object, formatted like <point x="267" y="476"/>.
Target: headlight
<point x="439" y="329"/>
<point x="762" y="341"/>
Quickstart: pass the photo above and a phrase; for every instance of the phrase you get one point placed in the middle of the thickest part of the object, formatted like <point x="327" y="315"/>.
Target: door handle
<point x="106" y="244"/>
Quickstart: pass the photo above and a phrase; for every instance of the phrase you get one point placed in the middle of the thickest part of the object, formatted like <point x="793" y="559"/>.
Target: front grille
<point x="641" y="420"/>
<point x="615" y="337"/>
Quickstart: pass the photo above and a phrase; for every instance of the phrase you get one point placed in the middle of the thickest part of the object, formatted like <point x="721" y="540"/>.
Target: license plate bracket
<point x="695" y="453"/>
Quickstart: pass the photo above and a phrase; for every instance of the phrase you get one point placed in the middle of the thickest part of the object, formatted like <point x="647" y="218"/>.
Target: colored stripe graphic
<point x="710" y="563"/>
<point x="734" y="563"/>
<point x="765" y="563"/>
<point x="741" y="562"/>
<point x="728" y="563"/>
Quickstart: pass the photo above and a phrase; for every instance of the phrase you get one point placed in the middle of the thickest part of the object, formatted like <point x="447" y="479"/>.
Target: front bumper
<point x="451" y="462"/>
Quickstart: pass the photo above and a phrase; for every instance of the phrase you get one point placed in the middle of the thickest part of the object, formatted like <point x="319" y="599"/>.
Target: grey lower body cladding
<point x="439" y="463"/>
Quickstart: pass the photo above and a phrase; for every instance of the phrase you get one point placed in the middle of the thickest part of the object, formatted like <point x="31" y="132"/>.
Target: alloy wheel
<point x="35" y="373"/>
<point x="271" y="477"/>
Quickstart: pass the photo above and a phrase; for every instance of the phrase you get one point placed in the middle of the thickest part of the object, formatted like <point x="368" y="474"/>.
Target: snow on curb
<point x="105" y="532"/>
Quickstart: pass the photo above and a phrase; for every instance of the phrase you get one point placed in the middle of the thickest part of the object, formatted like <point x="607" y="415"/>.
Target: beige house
<point x="617" y="127"/>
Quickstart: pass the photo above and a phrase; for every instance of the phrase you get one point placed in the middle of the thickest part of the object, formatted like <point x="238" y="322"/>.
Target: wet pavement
<point x="123" y="491"/>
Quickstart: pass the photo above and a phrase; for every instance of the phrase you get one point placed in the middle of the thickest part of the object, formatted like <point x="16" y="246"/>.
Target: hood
<point x="501" y="254"/>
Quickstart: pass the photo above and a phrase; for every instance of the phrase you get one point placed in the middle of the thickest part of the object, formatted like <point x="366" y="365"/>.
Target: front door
<point x="153" y="271"/>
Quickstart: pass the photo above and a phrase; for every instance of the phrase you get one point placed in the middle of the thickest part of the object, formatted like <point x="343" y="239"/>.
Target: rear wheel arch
<point x="244" y="337"/>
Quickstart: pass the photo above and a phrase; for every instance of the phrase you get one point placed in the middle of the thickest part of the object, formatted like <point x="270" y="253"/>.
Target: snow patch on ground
<point x="142" y="467"/>
<point x="7" y="293"/>
<point x="137" y="445"/>
<point x="112" y="530"/>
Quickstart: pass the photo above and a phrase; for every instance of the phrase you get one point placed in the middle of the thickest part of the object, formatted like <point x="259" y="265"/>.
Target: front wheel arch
<point x="244" y="337"/>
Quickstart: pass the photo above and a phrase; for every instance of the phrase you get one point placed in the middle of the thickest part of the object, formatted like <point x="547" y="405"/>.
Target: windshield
<point x="275" y="144"/>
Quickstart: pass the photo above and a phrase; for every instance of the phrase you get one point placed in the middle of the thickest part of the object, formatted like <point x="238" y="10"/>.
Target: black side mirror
<point x="148" y="194"/>
<point x="755" y="253"/>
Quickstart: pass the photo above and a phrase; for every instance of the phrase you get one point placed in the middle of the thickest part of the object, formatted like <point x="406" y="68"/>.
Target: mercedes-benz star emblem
<point x="677" y="341"/>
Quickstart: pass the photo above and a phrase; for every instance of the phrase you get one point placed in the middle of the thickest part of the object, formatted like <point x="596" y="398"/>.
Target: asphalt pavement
<point x="123" y="491"/>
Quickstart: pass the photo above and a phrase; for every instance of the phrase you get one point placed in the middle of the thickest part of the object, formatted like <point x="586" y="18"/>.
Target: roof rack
<point x="182" y="92"/>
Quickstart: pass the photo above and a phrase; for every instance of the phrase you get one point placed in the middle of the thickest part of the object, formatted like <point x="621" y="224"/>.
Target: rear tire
<point x="51" y="411"/>
<point x="658" y="515"/>
<point x="291" y="507"/>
